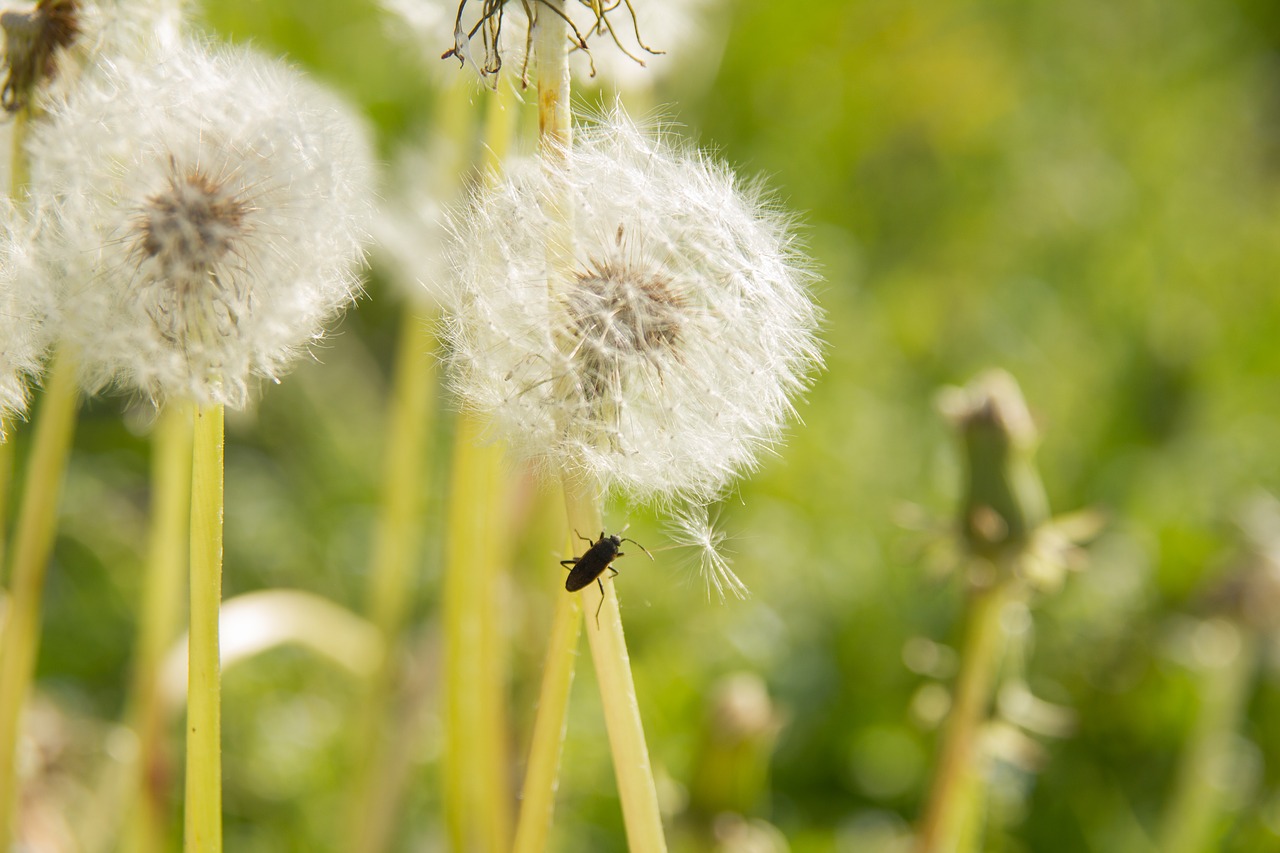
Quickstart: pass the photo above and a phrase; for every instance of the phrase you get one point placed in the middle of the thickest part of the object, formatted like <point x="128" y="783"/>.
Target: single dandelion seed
<point x="690" y="526"/>
<point x="667" y="359"/>
<point x="206" y="214"/>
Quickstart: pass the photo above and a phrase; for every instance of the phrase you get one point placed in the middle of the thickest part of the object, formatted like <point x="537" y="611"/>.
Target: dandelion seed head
<point x="667" y="358"/>
<point x="49" y="43"/>
<point x="24" y="305"/>
<point x="691" y="526"/>
<point x="205" y="214"/>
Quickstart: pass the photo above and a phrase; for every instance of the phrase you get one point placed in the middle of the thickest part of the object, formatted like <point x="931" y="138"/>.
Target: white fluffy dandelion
<point x="205" y="213"/>
<point x="667" y="358"/>
<point x="691" y="527"/>
<point x="24" y="304"/>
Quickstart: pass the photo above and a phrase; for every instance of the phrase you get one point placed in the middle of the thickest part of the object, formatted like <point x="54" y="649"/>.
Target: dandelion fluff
<point x="666" y="360"/>
<point x="205" y="214"/>
<point x="691" y="527"/>
<point x="24" y="304"/>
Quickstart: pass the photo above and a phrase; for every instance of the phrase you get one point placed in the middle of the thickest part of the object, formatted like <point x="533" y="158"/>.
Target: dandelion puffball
<point x="23" y="307"/>
<point x="205" y="215"/>
<point x="666" y="358"/>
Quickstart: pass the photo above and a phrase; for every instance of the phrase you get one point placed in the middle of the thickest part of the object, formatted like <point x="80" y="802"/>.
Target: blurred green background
<point x="1084" y="193"/>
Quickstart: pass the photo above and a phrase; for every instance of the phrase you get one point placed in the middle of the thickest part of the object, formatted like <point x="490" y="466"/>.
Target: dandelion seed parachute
<point x="666" y="360"/>
<point x="205" y="213"/>
<point x="691" y="527"/>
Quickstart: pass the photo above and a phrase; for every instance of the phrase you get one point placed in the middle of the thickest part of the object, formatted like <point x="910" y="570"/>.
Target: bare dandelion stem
<point x="475" y="766"/>
<point x="28" y="562"/>
<point x="538" y="795"/>
<point x="204" y="713"/>
<point x="159" y="622"/>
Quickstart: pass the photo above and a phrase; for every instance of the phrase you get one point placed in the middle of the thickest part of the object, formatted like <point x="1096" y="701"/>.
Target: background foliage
<point x="1084" y="193"/>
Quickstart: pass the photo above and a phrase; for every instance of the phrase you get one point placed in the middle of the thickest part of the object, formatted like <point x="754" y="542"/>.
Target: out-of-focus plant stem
<point x="477" y="798"/>
<point x="1197" y="793"/>
<point x="204" y="714"/>
<point x="538" y="794"/>
<point x="159" y="624"/>
<point x="950" y="817"/>
<point x="28" y="562"/>
<point x="1003" y="509"/>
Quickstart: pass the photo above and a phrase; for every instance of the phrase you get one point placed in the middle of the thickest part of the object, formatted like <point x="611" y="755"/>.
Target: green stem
<point x="636" y="788"/>
<point x="28" y="562"/>
<point x="475" y="767"/>
<point x="374" y="806"/>
<point x="159" y="623"/>
<point x="949" y="821"/>
<point x="538" y="794"/>
<point x="1197" y="795"/>
<point x="204" y="723"/>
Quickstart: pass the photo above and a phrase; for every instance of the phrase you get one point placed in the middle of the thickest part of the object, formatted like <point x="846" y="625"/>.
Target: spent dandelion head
<point x="667" y="357"/>
<point x="206" y="213"/>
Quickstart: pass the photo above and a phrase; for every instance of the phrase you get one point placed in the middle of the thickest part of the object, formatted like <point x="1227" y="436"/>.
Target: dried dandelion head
<point x="205" y="214"/>
<point x="667" y="358"/>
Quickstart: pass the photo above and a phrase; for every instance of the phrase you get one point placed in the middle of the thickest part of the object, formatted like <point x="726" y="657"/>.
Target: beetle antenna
<point x="638" y="545"/>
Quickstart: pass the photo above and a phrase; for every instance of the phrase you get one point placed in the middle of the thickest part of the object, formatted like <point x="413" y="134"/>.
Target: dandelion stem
<point x="477" y="806"/>
<point x="948" y="825"/>
<point x="28" y="562"/>
<point x="636" y="788"/>
<point x="159" y="623"/>
<point x="538" y="795"/>
<point x="204" y="724"/>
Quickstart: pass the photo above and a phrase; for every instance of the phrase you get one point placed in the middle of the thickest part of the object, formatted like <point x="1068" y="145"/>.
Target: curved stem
<point x="28" y="562"/>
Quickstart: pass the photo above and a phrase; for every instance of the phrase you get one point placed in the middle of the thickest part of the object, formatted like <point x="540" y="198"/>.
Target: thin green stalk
<point x="950" y="817"/>
<point x="28" y="562"/>
<point x="541" y="779"/>
<point x="636" y="788"/>
<point x="477" y="805"/>
<point x="1197" y="794"/>
<point x="159" y="624"/>
<point x="204" y="715"/>
<point x="374" y="805"/>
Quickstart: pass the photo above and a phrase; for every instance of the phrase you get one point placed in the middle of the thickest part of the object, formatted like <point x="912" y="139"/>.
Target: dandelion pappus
<point x="591" y="565"/>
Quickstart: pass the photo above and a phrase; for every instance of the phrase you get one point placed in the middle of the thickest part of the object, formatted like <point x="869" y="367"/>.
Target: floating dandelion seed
<point x="206" y="214"/>
<point x="667" y="358"/>
<point x="690" y="526"/>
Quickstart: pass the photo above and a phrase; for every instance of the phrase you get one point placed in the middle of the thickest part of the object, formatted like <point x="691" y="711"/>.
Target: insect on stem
<point x="591" y="565"/>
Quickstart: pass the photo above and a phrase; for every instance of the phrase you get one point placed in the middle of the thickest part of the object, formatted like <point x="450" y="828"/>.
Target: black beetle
<point x="591" y="565"/>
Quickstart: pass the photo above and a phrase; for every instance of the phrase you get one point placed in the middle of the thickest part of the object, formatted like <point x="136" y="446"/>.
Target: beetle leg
<point x="569" y="563"/>
<point x="601" y="604"/>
